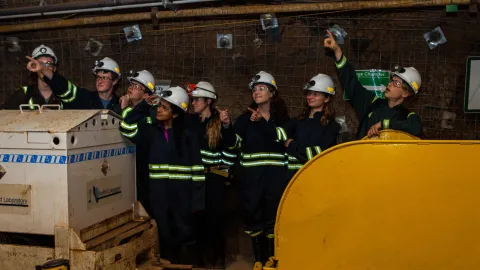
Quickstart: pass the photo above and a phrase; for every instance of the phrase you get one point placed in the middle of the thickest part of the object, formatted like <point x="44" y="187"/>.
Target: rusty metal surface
<point x="47" y="121"/>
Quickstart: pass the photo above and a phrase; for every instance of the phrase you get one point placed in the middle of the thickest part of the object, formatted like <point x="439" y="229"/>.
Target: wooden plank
<point x="111" y="234"/>
<point x="14" y="257"/>
<point x="105" y="226"/>
<point x="131" y="232"/>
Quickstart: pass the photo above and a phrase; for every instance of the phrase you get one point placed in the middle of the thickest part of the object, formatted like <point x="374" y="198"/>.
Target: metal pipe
<point x="101" y="7"/>
<point x="123" y="7"/>
<point x="234" y="10"/>
<point x="68" y="6"/>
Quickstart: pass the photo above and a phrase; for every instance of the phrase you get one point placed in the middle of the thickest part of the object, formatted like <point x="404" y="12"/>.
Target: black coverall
<point x="177" y="183"/>
<point x="263" y="174"/>
<point x="28" y="95"/>
<point x="310" y="138"/>
<point x="370" y="109"/>
<point x="211" y="223"/>
<point x="74" y="97"/>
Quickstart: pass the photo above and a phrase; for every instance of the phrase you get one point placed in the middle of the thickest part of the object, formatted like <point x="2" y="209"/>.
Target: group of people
<point x="185" y="142"/>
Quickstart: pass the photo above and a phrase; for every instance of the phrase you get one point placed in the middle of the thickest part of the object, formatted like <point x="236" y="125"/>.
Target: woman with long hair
<point x="216" y="136"/>
<point x="175" y="169"/>
<point x="263" y="164"/>
<point x="315" y="130"/>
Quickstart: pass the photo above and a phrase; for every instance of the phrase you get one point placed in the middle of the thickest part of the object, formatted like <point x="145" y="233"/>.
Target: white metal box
<point x="69" y="168"/>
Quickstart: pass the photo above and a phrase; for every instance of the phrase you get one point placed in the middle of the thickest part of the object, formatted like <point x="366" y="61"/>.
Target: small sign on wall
<point x="472" y="85"/>
<point x="15" y="199"/>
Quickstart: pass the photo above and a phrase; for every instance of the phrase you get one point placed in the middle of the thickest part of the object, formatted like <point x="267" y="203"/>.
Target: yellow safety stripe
<point x="263" y="163"/>
<point x="262" y="155"/>
<point x="25" y="89"/>
<point x="292" y="158"/>
<point x="309" y="153"/>
<point x="342" y="63"/>
<point x="294" y="166"/>
<point x="375" y="98"/>
<point x="230" y="155"/>
<point x="226" y="162"/>
<point x="253" y="234"/>
<point x="270" y="235"/>
<point x="238" y="142"/>
<point x="281" y="134"/>
<point x="126" y="111"/>
<point x="69" y="90"/>
<point x="386" y="123"/>
<point x="127" y="126"/>
<point x="318" y="149"/>
<point x="195" y="178"/>
<point x="130" y="135"/>
<point x="167" y="167"/>
<point x="412" y="113"/>
<point x="73" y="95"/>
<point x="370" y="114"/>
<point x="210" y="154"/>
<point x="149" y="120"/>
<point x="30" y="102"/>
<point x="211" y="161"/>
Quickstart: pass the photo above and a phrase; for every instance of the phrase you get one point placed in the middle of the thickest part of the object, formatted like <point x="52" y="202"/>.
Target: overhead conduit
<point x="230" y="10"/>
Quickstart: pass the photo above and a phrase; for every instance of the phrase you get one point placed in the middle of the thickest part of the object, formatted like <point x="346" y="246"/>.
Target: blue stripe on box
<point x="60" y="159"/>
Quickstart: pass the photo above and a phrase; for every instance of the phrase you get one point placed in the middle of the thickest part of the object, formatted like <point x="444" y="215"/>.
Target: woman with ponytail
<point x="216" y="137"/>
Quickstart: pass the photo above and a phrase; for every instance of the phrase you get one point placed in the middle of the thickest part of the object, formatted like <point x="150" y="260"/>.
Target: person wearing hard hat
<point x="263" y="164"/>
<point x="142" y="85"/>
<point x="107" y="74"/>
<point x="176" y="172"/>
<point x="39" y="93"/>
<point x="315" y="130"/>
<point x="216" y="136"/>
<point x="374" y="113"/>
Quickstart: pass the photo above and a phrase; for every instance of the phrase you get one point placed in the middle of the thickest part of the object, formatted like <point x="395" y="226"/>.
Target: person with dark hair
<point x="374" y="113"/>
<point x="176" y="171"/>
<point x="39" y="93"/>
<point x="315" y="130"/>
<point x="107" y="74"/>
<point x="263" y="164"/>
<point x="142" y="85"/>
<point x="216" y="136"/>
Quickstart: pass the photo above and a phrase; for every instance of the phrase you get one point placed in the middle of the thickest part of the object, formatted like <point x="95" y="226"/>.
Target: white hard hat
<point x="263" y="77"/>
<point x="107" y="64"/>
<point x="143" y="77"/>
<point x="43" y="50"/>
<point x="204" y="89"/>
<point x="176" y="96"/>
<point x="409" y="75"/>
<point x="321" y="83"/>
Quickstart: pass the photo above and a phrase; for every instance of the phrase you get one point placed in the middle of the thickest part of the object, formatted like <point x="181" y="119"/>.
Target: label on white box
<point x="103" y="191"/>
<point x="15" y="199"/>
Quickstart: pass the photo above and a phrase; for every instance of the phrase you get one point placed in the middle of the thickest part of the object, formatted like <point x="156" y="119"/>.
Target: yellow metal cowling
<point x="383" y="204"/>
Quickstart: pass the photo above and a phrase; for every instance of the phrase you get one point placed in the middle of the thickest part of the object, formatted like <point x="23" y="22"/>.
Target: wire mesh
<point x="185" y="51"/>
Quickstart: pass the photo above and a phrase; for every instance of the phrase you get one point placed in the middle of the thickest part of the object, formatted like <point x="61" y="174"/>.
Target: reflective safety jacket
<point x="310" y="138"/>
<point x="165" y="162"/>
<point x="258" y="149"/>
<point x="74" y="97"/>
<point x="28" y="95"/>
<point x="223" y="154"/>
<point x="372" y="110"/>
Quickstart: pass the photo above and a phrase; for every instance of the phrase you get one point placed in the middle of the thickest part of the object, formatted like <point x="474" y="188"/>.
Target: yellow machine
<point x="393" y="203"/>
